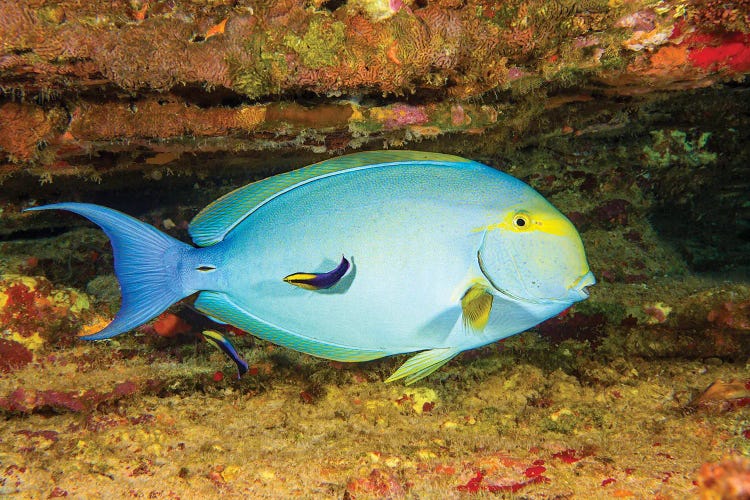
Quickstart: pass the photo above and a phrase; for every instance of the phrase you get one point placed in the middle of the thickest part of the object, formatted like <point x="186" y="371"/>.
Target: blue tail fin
<point x="145" y="265"/>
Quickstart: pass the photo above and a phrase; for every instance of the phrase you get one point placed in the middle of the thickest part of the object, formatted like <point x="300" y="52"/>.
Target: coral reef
<point x="185" y="70"/>
<point x="13" y="355"/>
<point x="22" y="401"/>
<point x="637" y="392"/>
<point x="508" y="427"/>
<point x="31" y="310"/>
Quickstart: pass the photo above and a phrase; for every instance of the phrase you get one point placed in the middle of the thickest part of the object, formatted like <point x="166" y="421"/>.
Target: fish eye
<point x="521" y="222"/>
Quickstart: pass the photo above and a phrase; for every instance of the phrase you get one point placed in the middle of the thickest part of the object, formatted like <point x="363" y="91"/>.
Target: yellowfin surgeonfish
<point x="440" y="255"/>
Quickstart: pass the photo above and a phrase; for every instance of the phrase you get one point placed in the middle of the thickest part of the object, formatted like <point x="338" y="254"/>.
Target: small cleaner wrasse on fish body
<point x="359" y="257"/>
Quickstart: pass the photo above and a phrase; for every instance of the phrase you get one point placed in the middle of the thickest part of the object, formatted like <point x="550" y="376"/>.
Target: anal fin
<point x="422" y="364"/>
<point x="219" y="305"/>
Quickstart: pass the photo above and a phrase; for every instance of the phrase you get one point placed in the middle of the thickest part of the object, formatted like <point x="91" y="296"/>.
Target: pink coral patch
<point x="403" y="114"/>
<point x="733" y="53"/>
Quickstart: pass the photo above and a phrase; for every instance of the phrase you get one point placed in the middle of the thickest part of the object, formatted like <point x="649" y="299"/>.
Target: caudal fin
<point x="145" y="265"/>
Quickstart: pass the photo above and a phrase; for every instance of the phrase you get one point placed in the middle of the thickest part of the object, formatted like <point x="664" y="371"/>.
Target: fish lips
<point x="579" y="290"/>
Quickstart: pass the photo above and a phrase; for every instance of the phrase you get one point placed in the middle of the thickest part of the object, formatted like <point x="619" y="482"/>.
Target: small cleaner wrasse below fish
<point x="359" y="257"/>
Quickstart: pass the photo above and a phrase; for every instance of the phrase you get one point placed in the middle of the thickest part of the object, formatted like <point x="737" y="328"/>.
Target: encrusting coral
<point x="203" y="62"/>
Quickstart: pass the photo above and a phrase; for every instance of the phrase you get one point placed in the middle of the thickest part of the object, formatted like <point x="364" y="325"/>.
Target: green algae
<point x="262" y="69"/>
<point x="264" y="75"/>
<point x="319" y="46"/>
<point x="675" y="148"/>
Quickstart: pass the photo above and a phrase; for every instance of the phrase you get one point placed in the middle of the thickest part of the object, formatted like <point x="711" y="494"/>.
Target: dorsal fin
<point x="213" y="223"/>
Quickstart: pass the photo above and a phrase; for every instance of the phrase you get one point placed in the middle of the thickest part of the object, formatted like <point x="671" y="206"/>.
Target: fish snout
<point x="580" y="288"/>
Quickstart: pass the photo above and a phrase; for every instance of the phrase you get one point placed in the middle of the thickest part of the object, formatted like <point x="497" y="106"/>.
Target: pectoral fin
<point x="476" y="304"/>
<point x="220" y="342"/>
<point x="319" y="281"/>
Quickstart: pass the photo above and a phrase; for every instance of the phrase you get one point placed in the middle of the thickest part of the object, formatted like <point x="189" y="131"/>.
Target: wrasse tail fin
<point x="422" y="364"/>
<point x="319" y="281"/>
<point x="224" y="345"/>
<point x="142" y="253"/>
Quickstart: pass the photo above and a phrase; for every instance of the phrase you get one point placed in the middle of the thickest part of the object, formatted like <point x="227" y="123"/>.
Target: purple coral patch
<point x="403" y="114"/>
<point x="13" y="356"/>
<point x="23" y="401"/>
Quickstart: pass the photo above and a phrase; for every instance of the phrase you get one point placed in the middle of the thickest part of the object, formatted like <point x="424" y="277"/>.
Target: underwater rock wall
<point x="82" y="81"/>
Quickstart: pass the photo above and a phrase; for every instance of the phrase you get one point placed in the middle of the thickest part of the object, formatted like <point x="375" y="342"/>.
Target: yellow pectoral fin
<point x="476" y="304"/>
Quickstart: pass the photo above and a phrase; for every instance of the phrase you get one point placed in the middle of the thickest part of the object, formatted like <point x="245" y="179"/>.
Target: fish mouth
<point x="582" y="284"/>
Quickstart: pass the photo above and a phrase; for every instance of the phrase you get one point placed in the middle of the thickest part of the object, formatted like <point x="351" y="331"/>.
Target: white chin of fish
<point x="577" y="292"/>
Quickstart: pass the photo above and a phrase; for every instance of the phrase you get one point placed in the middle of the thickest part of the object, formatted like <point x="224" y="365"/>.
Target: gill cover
<point x="534" y="254"/>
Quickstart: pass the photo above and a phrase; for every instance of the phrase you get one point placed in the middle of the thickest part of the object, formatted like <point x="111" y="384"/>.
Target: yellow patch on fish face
<point x="521" y="221"/>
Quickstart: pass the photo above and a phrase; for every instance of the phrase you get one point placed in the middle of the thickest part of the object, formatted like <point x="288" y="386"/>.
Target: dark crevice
<point x="203" y="98"/>
<point x="33" y="234"/>
<point x="333" y="5"/>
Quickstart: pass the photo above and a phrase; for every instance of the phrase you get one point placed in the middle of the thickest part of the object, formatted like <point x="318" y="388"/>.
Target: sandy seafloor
<point x="617" y="430"/>
<point x="610" y="401"/>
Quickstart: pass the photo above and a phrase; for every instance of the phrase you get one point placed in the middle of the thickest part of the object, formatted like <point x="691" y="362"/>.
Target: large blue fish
<point x="360" y="257"/>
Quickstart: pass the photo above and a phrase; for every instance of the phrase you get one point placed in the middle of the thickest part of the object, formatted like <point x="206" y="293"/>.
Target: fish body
<point x="440" y="255"/>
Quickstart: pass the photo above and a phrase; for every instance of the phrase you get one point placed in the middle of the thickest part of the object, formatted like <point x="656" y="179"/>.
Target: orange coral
<point x="669" y="58"/>
<point x="519" y="41"/>
<point x="392" y="54"/>
<point x="360" y="29"/>
<point x="140" y="13"/>
<point x="720" y="15"/>
<point x="729" y="478"/>
<point x="152" y="119"/>
<point x="217" y="29"/>
<point x="25" y="129"/>
<point x="17" y="27"/>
